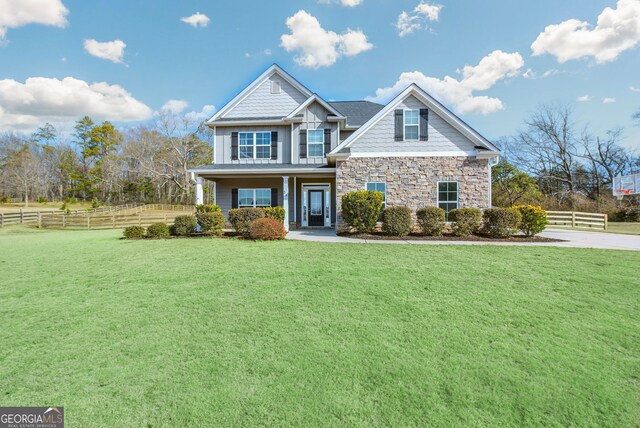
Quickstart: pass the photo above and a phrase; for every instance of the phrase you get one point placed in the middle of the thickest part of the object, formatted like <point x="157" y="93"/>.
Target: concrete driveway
<point x="572" y="238"/>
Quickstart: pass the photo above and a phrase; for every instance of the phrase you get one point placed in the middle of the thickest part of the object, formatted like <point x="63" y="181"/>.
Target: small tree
<point x="361" y="209"/>
<point x="511" y="186"/>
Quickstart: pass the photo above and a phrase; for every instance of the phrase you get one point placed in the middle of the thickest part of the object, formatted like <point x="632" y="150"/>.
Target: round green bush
<point x="211" y="222"/>
<point x="534" y="219"/>
<point x="501" y="222"/>
<point x="431" y="220"/>
<point x="241" y="219"/>
<point x="396" y="221"/>
<point x="276" y="213"/>
<point x="183" y="225"/>
<point x="267" y="229"/>
<point x="465" y="221"/>
<point x="208" y="208"/>
<point x="133" y="232"/>
<point x="157" y="230"/>
<point x="361" y="209"/>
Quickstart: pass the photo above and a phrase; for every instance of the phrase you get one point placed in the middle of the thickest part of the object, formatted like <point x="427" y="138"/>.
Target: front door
<point x="316" y="207"/>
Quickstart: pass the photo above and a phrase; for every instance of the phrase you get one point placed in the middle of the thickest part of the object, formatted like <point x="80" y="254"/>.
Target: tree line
<point x="147" y="163"/>
<point x="554" y="162"/>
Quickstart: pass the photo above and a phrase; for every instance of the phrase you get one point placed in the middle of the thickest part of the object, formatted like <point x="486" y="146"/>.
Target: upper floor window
<point x="448" y="196"/>
<point x="255" y="145"/>
<point x="254" y="198"/>
<point x="379" y="187"/>
<point x="411" y="124"/>
<point x="315" y="143"/>
<point x="275" y="86"/>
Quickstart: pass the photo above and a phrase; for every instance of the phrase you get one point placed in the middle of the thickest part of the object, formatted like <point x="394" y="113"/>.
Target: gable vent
<point x="275" y="86"/>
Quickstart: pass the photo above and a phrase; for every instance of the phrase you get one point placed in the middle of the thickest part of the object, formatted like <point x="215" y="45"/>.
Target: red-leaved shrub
<point x="267" y="229"/>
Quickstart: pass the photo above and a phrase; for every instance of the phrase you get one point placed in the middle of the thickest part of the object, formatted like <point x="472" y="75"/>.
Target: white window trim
<point x="384" y="202"/>
<point x="448" y="202"/>
<point x="255" y="199"/>
<point x="254" y="145"/>
<point x="276" y="82"/>
<point x="308" y="143"/>
<point x="404" y="124"/>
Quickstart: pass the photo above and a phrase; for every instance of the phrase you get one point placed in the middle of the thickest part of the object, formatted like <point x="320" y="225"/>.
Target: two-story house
<point x="279" y="144"/>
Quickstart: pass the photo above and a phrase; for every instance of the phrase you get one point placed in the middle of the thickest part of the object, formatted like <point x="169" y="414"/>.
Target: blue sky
<point x="168" y="59"/>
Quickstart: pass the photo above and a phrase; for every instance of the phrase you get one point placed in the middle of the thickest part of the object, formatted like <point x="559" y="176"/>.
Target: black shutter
<point x="274" y="145"/>
<point x="327" y="141"/>
<point x="274" y="197"/>
<point x="424" y="124"/>
<point x="303" y="144"/>
<point x="234" y="146"/>
<point x="234" y="198"/>
<point x="399" y="122"/>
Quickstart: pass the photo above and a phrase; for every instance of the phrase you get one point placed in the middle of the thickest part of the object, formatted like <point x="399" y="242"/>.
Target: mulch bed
<point x="379" y="236"/>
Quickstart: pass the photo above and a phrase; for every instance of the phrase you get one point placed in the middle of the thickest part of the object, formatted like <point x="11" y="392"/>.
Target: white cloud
<point x="17" y="13"/>
<point x="174" y="106"/>
<point x="617" y="30"/>
<point x="111" y="51"/>
<point x="196" y="20"/>
<point x="347" y="3"/>
<point x="634" y="89"/>
<point x="530" y="74"/>
<point x="41" y="99"/>
<point x="319" y="47"/>
<point x="409" y="22"/>
<point x="460" y="93"/>
<point x="178" y="107"/>
<point x="608" y="100"/>
<point x="584" y="99"/>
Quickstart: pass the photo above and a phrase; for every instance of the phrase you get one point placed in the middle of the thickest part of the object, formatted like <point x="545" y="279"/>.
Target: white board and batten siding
<point x="313" y="117"/>
<point x="223" y="144"/>
<point x="262" y="103"/>
<point x="443" y="137"/>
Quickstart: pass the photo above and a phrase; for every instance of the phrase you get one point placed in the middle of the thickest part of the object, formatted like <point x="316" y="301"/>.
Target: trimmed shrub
<point x="533" y="219"/>
<point x="431" y="220"/>
<point x="241" y="219"/>
<point x="157" y="230"/>
<point x="361" y="209"/>
<point x="396" y="221"/>
<point x="183" y="225"/>
<point x="466" y="221"/>
<point x="267" y="229"/>
<point x="211" y="222"/>
<point x="501" y="222"/>
<point x="133" y="232"/>
<point x="276" y="213"/>
<point x="208" y="208"/>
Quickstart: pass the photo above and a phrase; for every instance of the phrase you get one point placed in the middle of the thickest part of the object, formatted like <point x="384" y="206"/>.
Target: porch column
<point x="285" y="200"/>
<point x="199" y="192"/>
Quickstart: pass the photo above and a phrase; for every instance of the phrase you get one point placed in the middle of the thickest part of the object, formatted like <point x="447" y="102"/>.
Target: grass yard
<point x="232" y="333"/>
<point x="626" y="228"/>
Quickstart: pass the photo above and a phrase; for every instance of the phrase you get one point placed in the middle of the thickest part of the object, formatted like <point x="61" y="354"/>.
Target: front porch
<point x="308" y="195"/>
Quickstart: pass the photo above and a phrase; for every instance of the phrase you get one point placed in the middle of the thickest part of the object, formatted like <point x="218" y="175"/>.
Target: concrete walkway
<point x="572" y="238"/>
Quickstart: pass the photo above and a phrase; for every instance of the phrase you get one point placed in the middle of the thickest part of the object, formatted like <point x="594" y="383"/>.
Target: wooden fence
<point x="577" y="219"/>
<point x="105" y="217"/>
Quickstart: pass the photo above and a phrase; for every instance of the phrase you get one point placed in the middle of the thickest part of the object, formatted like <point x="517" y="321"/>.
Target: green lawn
<point x="209" y="332"/>
<point x="612" y="227"/>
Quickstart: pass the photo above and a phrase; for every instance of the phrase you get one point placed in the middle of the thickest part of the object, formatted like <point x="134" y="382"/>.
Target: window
<point x="448" y="196"/>
<point x="411" y="124"/>
<point x="315" y="143"/>
<point x="255" y="145"/>
<point x="379" y="187"/>
<point x="254" y="198"/>
<point x="275" y="86"/>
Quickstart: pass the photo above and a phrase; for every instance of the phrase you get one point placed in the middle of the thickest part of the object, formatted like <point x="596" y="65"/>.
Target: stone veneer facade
<point x="412" y="181"/>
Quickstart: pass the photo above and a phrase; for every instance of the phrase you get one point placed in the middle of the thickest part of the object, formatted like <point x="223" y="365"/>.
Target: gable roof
<point x="309" y="101"/>
<point x="274" y="69"/>
<point x="433" y="105"/>
<point x="357" y="112"/>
